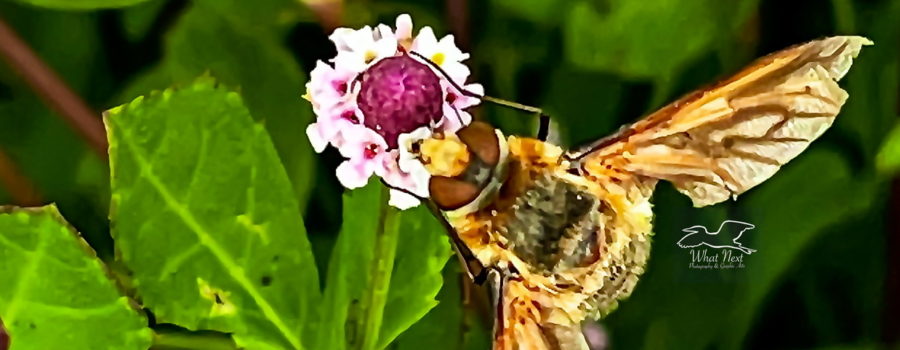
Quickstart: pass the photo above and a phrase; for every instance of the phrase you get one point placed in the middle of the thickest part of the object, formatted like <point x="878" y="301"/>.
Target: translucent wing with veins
<point x="719" y="142"/>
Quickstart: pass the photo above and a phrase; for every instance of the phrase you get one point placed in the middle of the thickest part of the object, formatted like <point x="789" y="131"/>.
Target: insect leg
<point x="544" y="126"/>
<point x="476" y="271"/>
<point x="403" y="190"/>
<point x="498" y="289"/>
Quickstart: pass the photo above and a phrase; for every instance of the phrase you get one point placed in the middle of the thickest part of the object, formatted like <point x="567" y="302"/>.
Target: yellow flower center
<point x="438" y="58"/>
<point x="369" y="56"/>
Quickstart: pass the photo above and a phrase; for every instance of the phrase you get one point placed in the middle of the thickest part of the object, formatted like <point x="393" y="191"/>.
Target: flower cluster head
<point x="385" y="91"/>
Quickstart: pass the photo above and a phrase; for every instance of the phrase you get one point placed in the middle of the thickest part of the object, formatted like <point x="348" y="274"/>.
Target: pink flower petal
<point x="454" y="118"/>
<point x="328" y="86"/>
<point x="360" y="142"/>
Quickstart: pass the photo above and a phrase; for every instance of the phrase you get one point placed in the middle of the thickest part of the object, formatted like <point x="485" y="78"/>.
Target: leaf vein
<point x="205" y="238"/>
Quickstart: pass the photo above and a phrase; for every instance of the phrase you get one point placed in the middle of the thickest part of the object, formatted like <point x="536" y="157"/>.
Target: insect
<point x="563" y="235"/>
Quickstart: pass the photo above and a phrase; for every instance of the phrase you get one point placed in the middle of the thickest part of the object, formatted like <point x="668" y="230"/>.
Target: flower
<point x="382" y="94"/>
<point x="456" y="103"/>
<point x="444" y="53"/>
<point x="366" y="153"/>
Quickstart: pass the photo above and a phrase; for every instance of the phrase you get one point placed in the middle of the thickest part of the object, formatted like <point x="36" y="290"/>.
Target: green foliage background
<point x="230" y="232"/>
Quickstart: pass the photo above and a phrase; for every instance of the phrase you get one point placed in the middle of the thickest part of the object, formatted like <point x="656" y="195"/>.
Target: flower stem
<point x="51" y="89"/>
<point x="382" y="266"/>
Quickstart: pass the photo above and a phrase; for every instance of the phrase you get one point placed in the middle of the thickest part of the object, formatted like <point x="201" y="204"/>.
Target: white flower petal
<point x="408" y="161"/>
<point x="383" y="31"/>
<point x="448" y="47"/>
<point x="364" y="37"/>
<point x="476" y="88"/>
<point x="415" y="135"/>
<point x="339" y="38"/>
<point x="352" y="175"/>
<point x="321" y="71"/>
<point x="425" y="43"/>
<point x="402" y="200"/>
<point x="353" y="61"/>
<point x="421" y="177"/>
<point x="457" y="71"/>
<point x="315" y="137"/>
<point x="386" y="47"/>
<point x="404" y="27"/>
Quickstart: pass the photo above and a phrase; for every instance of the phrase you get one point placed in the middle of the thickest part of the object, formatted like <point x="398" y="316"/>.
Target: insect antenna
<point x="544" y="119"/>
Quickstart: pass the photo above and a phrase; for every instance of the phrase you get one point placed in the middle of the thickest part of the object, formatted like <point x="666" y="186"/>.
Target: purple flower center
<point x="398" y="95"/>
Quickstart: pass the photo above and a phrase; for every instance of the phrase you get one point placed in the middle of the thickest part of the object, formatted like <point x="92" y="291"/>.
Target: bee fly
<point x="563" y="235"/>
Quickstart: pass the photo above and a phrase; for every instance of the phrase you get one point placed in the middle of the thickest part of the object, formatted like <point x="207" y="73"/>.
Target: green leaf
<point x="81" y="4"/>
<point x="41" y="143"/>
<point x="642" y="39"/>
<point x="56" y="294"/>
<point x="384" y="272"/>
<point x="442" y="327"/>
<point x="256" y="63"/>
<point x="422" y="252"/>
<point x="813" y="193"/>
<point x="871" y="111"/>
<point x="791" y="210"/>
<point x="348" y="269"/>
<point x="597" y="96"/>
<point x="258" y="14"/>
<point x="539" y="11"/>
<point x="888" y="160"/>
<point x="202" y="214"/>
<point x="137" y="20"/>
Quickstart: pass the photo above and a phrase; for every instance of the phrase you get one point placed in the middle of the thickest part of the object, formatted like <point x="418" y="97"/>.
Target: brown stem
<point x="458" y="18"/>
<point x="4" y="337"/>
<point x="50" y="88"/>
<point x="329" y="13"/>
<point x="21" y="190"/>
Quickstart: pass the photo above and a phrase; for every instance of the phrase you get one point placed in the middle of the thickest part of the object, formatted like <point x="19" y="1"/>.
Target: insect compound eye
<point x="482" y="140"/>
<point x="449" y="193"/>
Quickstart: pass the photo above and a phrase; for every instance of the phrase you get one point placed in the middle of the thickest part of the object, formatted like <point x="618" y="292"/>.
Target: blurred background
<point x="826" y="274"/>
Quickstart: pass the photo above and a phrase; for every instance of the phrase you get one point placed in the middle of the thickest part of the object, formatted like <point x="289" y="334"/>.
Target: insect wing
<point x="519" y="323"/>
<point x="719" y="142"/>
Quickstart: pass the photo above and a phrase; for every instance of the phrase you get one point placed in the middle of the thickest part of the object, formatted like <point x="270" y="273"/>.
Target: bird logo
<point x="727" y="236"/>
